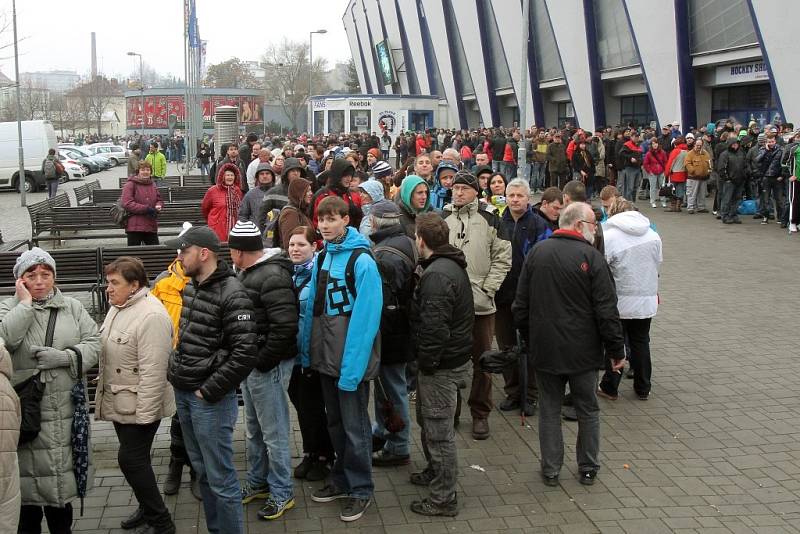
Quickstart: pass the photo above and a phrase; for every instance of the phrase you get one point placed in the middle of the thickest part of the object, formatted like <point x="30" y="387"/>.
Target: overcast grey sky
<point x="58" y="32"/>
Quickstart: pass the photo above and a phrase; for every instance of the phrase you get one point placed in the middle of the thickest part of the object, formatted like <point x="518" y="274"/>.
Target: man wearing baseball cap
<point x="216" y="350"/>
<point x="476" y="230"/>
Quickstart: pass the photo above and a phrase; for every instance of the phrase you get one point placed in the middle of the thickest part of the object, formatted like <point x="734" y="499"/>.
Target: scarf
<point x="232" y="202"/>
<point x="45" y="300"/>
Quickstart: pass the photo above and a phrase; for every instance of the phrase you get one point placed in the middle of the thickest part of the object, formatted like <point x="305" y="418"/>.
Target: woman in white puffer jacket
<point x="633" y="251"/>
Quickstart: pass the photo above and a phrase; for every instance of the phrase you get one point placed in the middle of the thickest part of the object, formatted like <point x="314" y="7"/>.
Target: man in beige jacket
<point x="476" y="230"/>
<point x="10" y="420"/>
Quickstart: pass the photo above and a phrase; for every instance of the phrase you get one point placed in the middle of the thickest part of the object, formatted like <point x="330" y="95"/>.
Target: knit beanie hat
<point x="245" y="236"/>
<point x="467" y="178"/>
<point x="31" y="258"/>
<point x="375" y="152"/>
<point x="381" y="170"/>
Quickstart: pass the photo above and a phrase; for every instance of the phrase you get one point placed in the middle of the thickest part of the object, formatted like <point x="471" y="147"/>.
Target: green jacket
<point x="159" y="163"/>
<point x="45" y="464"/>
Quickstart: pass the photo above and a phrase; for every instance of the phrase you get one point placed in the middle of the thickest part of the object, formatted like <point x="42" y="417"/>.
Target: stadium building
<point x="589" y="62"/>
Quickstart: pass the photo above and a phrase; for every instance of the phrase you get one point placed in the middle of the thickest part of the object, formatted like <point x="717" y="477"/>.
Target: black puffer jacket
<point x="732" y="165"/>
<point x="217" y="336"/>
<point x="442" y="312"/>
<point x="271" y="289"/>
<point x="566" y="306"/>
<point x="398" y="280"/>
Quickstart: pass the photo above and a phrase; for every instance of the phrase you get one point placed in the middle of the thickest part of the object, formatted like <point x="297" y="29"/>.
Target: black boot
<point x="173" y="482"/>
<point x="195" y="486"/>
<point x="136" y="519"/>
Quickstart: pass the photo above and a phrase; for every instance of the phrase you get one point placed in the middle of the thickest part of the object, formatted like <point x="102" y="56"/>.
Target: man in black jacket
<point x="396" y="256"/>
<point x="732" y="173"/>
<point x="442" y="316"/>
<point x="566" y="305"/>
<point x="216" y="351"/>
<point x="267" y="277"/>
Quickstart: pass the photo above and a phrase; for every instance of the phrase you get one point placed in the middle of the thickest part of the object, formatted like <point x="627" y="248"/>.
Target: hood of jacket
<point x="378" y="236"/>
<point x="274" y="256"/>
<point x="5" y="360"/>
<point x="374" y="189"/>
<point x="236" y="172"/>
<point x="446" y="251"/>
<point x="731" y="141"/>
<point x="289" y="164"/>
<point x="352" y="240"/>
<point x="630" y="222"/>
<point x="295" y="192"/>
<point x="222" y="271"/>
<point x="630" y="145"/>
<point x="339" y="169"/>
<point x="407" y="188"/>
<point x="263" y="166"/>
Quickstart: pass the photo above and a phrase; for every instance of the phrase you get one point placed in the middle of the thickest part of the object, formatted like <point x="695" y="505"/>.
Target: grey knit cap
<point x="31" y="258"/>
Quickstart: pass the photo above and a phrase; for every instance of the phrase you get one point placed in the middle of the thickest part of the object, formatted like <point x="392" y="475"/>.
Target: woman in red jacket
<point x="221" y="203"/>
<point x="675" y="172"/>
<point x="142" y="201"/>
<point x="654" y="162"/>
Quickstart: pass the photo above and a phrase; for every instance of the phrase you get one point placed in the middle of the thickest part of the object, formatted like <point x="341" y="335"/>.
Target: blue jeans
<point x="393" y="380"/>
<point x="204" y="168"/>
<point x="351" y="435"/>
<point x="628" y="182"/>
<point x="509" y="170"/>
<point x="537" y="175"/>
<point x="266" y="414"/>
<point x="208" y="436"/>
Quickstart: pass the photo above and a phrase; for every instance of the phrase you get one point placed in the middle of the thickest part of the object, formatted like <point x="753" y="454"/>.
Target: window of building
<point x="319" y="122"/>
<point x="615" y="46"/>
<point x="336" y="121"/>
<point x="492" y="40"/>
<point x="548" y="63"/>
<point x="566" y="114"/>
<point x="745" y="103"/>
<point x="719" y="24"/>
<point x="359" y="120"/>
<point x="636" y="110"/>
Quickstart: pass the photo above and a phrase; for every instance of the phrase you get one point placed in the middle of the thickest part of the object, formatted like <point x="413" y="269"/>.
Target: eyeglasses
<point x="589" y="222"/>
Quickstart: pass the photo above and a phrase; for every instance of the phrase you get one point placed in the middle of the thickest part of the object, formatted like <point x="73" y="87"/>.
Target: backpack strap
<point x="350" y="270"/>
<point x="410" y="262"/>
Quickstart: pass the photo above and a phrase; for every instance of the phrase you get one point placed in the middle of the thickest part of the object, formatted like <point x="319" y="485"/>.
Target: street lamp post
<point x="141" y="86"/>
<point x="22" y="181"/>
<point x="310" y="69"/>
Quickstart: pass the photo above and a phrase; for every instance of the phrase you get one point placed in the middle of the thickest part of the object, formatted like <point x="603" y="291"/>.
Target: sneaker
<point x="792" y="228"/>
<point x="273" y="509"/>
<point x="587" y="478"/>
<point x="690" y="211"/>
<point x="301" y="471"/>
<point x="353" y="508"/>
<point x="251" y="492"/>
<point x="643" y="396"/>
<point x="550" y="481"/>
<point x="653" y="205"/>
<point x="320" y="470"/>
<point x="422" y="478"/>
<point x="387" y="459"/>
<point x="328" y="494"/>
<point x="430" y="508"/>
<point x="412" y="396"/>
<point x="764" y="220"/>
<point x="609" y="396"/>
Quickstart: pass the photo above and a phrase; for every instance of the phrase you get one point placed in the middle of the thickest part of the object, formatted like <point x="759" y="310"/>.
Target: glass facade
<point x="635" y="110"/>
<point x="499" y="65"/>
<point x="719" y="24"/>
<point x="359" y="120"/>
<point x="745" y="103"/>
<point x="336" y="121"/>
<point x="461" y="67"/>
<point x="566" y="114"/>
<point x="548" y="63"/>
<point x="615" y="45"/>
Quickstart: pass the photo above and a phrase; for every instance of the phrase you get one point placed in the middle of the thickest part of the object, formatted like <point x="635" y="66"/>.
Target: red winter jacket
<point x="221" y="215"/>
<point x="140" y="198"/>
<point x="655" y="162"/>
<point x="677" y="175"/>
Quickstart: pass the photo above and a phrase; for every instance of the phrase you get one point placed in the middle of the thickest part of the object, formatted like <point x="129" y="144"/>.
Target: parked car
<point x="90" y="165"/>
<point x="37" y="138"/>
<point x="115" y="153"/>
<point x="73" y="168"/>
<point x="102" y="161"/>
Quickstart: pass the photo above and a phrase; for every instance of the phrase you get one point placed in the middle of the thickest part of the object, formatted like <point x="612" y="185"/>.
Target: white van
<point x="37" y="138"/>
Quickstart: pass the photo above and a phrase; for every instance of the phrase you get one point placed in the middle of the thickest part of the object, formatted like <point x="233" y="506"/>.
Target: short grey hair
<point x="452" y="154"/>
<point x="577" y="211"/>
<point x="520" y="184"/>
<point x="380" y="223"/>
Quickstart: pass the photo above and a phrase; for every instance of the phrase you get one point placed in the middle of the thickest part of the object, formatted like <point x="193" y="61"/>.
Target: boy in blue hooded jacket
<point x="345" y="291"/>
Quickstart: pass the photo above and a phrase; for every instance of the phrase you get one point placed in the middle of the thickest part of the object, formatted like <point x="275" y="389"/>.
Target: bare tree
<point x="231" y="73"/>
<point x="93" y="99"/>
<point x="287" y="76"/>
<point x="34" y="101"/>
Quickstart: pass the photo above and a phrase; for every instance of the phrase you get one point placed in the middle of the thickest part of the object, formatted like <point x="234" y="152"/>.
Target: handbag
<point x="668" y="191"/>
<point x="31" y="391"/>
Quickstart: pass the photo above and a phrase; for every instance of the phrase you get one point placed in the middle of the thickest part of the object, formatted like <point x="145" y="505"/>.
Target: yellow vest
<point x="169" y="290"/>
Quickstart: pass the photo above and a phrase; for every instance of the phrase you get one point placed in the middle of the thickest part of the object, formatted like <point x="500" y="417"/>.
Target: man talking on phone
<point x="566" y="310"/>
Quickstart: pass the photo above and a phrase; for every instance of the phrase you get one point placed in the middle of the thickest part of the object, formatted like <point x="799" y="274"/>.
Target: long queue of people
<point x="454" y="257"/>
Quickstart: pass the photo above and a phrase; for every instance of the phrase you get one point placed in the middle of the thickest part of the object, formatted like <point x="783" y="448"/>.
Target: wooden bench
<point x="196" y="181"/>
<point x="84" y="192"/>
<point x="167" y="181"/>
<point x="41" y="215"/>
<point x="14" y="244"/>
<point x="187" y="194"/>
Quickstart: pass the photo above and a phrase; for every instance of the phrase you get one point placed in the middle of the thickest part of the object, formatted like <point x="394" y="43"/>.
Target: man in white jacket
<point x="633" y="251"/>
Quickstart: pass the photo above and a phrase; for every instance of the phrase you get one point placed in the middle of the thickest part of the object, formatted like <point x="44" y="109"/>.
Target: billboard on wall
<point x="385" y="63"/>
<point x="157" y="110"/>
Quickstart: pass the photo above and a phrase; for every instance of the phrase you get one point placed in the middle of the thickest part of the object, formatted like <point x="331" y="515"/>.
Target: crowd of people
<point x="452" y="249"/>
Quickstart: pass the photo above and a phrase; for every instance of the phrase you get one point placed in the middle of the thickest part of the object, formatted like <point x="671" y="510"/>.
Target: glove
<point x="50" y="358"/>
<point x="151" y="212"/>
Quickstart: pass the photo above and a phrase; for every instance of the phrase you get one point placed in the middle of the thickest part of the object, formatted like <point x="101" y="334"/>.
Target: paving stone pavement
<point x="716" y="449"/>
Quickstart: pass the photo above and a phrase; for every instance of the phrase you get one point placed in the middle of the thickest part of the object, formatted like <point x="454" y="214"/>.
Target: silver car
<point x="115" y="153"/>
